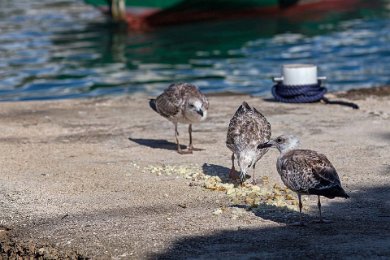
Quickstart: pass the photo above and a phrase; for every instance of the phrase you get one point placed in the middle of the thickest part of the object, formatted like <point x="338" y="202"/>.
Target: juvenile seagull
<point x="181" y="103"/>
<point x="247" y="129"/>
<point x="305" y="171"/>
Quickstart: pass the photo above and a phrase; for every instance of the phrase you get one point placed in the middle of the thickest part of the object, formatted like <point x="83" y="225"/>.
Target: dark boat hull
<point x="144" y="14"/>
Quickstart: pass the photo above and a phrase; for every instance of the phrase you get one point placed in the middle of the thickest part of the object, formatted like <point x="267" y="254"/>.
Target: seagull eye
<point x="191" y="105"/>
<point x="279" y="140"/>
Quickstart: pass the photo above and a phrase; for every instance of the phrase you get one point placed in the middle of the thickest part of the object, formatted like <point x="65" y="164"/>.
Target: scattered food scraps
<point x="252" y="195"/>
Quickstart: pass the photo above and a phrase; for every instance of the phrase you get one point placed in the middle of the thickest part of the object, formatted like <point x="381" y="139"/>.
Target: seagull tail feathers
<point x="346" y="195"/>
<point x="342" y="193"/>
<point x="152" y="104"/>
<point x="245" y="105"/>
<point x="336" y="191"/>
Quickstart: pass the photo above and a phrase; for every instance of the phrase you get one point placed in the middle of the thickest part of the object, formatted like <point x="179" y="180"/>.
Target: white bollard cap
<point x="298" y="75"/>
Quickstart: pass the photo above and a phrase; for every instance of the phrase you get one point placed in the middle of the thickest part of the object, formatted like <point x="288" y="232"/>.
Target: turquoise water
<point x="53" y="49"/>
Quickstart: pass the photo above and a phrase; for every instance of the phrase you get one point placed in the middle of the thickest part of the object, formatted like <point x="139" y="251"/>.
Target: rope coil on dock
<point x="305" y="94"/>
<point x="298" y="94"/>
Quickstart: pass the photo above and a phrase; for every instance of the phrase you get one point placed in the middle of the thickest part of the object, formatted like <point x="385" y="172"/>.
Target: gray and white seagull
<point x="248" y="128"/>
<point x="182" y="103"/>
<point x="305" y="171"/>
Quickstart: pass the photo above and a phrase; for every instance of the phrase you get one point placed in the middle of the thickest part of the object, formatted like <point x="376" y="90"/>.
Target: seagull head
<point x="245" y="161"/>
<point x="195" y="110"/>
<point x="283" y="143"/>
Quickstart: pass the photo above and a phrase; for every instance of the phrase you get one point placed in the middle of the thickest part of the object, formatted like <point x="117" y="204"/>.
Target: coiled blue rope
<point x="298" y="94"/>
<point x="305" y="94"/>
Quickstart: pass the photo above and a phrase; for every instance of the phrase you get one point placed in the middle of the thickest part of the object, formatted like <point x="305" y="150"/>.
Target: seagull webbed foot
<point x="195" y="149"/>
<point x="191" y="148"/>
<point x="184" y="152"/>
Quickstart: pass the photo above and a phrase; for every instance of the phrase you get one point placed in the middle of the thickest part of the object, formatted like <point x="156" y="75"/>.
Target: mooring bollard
<point x="299" y="83"/>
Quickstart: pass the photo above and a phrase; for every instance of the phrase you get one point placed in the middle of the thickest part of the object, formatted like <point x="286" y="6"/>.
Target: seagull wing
<point x="247" y="128"/>
<point x="310" y="172"/>
<point x="169" y="103"/>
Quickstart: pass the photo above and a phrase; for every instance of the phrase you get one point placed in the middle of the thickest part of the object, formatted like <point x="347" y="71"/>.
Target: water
<point x="53" y="49"/>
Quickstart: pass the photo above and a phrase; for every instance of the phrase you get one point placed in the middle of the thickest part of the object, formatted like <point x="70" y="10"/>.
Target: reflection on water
<point x="64" y="49"/>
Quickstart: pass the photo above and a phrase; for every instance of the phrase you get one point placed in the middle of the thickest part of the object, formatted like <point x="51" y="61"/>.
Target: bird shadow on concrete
<point x="157" y="143"/>
<point x="217" y="170"/>
<point x="282" y="215"/>
<point x="359" y="230"/>
<point x="357" y="223"/>
<point x="270" y="100"/>
<point x="385" y="135"/>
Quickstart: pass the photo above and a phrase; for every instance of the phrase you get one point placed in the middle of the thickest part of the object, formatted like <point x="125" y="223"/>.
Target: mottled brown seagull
<point x="182" y="103"/>
<point x="305" y="171"/>
<point x="247" y="129"/>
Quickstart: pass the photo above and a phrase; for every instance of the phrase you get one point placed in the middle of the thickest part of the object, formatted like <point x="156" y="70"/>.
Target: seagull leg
<point x="190" y="146"/>
<point x="233" y="174"/>
<point x="321" y="220"/>
<point x="300" y="209"/>
<point x="319" y="207"/>
<point x="179" y="150"/>
<point x="254" y="182"/>
<point x="300" y="223"/>
<point x="177" y="139"/>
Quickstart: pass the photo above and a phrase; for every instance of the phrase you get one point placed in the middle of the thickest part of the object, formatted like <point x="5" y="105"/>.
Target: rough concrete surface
<point x="77" y="180"/>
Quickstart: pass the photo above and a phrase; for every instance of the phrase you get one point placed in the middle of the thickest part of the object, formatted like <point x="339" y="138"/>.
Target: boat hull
<point x="144" y="14"/>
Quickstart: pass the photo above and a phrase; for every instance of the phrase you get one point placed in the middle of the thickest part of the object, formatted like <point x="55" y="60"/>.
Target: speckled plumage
<point x="309" y="172"/>
<point x="306" y="172"/>
<point x="181" y="103"/>
<point x="247" y="129"/>
<point x="171" y="103"/>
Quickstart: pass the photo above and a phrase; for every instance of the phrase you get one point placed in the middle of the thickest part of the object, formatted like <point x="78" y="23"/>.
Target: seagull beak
<point x="200" y="112"/>
<point x="242" y="177"/>
<point x="265" y="145"/>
